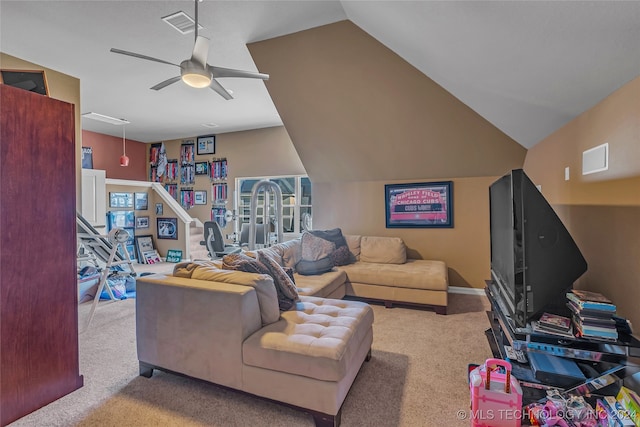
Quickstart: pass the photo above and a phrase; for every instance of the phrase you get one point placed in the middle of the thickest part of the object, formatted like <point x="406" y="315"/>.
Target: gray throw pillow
<point x="310" y="268"/>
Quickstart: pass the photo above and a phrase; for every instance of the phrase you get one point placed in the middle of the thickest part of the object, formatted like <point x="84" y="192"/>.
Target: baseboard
<point x="466" y="291"/>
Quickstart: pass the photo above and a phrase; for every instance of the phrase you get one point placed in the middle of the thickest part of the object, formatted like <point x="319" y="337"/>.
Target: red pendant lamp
<point x="124" y="160"/>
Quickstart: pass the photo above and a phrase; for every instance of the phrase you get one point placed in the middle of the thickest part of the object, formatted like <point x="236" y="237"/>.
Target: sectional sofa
<point x="225" y="326"/>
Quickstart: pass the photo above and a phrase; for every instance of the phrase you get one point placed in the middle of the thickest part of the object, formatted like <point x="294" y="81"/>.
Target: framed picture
<point x="206" y="144"/>
<point x="142" y="222"/>
<point x="159" y="209"/>
<point x="120" y="200"/>
<point x="202" y="168"/>
<point x="419" y="205"/>
<point x="144" y="244"/>
<point x="141" y="201"/>
<point x="200" y="197"/>
<point x="87" y="157"/>
<point x="121" y="219"/>
<point x="31" y="80"/>
<point x="167" y="228"/>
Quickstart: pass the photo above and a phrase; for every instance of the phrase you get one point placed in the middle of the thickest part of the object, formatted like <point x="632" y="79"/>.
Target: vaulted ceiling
<point x="528" y="67"/>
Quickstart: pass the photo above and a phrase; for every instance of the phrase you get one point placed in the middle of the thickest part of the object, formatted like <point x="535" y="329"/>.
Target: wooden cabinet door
<point x="39" y="360"/>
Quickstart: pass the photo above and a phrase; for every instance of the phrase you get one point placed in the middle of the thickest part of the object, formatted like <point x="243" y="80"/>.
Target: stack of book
<point x="592" y="315"/>
<point x="553" y="324"/>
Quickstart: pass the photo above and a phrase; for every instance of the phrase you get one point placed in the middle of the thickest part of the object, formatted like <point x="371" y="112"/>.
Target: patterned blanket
<point x="266" y="264"/>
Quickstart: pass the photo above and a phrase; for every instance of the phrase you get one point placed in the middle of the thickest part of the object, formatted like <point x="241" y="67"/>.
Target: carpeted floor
<point x="416" y="377"/>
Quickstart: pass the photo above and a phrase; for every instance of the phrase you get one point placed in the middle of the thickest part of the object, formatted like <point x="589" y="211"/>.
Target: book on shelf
<point x="537" y="327"/>
<point x="598" y="314"/>
<point x="554" y="322"/>
<point x="596" y="333"/>
<point x="591" y="296"/>
<point x="584" y="304"/>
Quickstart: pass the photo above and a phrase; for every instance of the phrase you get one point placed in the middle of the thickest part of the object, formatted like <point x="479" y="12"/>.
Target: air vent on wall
<point x="182" y="22"/>
<point x="595" y="159"/>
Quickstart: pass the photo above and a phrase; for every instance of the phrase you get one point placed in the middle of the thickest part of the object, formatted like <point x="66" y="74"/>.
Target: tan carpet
<point x="417" y="377"/>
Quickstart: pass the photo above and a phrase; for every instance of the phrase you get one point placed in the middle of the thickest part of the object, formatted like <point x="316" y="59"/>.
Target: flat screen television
<point x="534" y="259"/>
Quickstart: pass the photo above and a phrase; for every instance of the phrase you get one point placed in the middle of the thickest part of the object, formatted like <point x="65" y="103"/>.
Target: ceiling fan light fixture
<point x="196" y="80"/>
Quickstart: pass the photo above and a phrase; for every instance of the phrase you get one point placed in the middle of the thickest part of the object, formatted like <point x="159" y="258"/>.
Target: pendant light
<point x="124" y="160"/>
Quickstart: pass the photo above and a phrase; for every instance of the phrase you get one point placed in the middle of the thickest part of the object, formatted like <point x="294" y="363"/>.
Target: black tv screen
<point x="534" y="259"/>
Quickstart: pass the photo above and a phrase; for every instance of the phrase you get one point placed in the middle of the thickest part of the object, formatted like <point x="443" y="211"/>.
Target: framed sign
<point x="202" y="168"/>
<point x="206" y="144"/>
<point x="174" y="255"/>
<point x="87" y="157"/>
<point x="167" y="228"/>
<point x="159" y="209"/>
<point x="200" y="197"/>
<point x="144" y="244"/>
<point x="120" y="200"/>
<point x="141" y="201"/>
<point x="142" y="222"/>
<point x="419" y="205"/>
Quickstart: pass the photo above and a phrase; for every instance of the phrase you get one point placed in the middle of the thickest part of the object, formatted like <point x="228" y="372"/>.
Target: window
<point x="296" y="201"/>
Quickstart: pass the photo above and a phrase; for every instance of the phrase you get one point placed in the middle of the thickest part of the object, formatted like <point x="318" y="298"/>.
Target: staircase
<point x="198" y="251"/>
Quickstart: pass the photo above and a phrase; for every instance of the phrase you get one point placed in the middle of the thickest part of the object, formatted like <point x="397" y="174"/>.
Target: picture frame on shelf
<point x="419" y="205"/>
<point x="120" y="200"/>
<point x="167" y="228"/>
<point x="159" y="209"/>
<point x="142" y="222"/>
<point x="141" y="201"/>
<point x="174" y="255"/>
<point x="200" y="197"/>
<point x="202" y="168"/>
<point x="206" y="145"/>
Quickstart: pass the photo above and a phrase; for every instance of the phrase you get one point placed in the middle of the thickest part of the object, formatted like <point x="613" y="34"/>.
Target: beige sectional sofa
<point x="225" y="326"/>
<point x="383" y="272"/>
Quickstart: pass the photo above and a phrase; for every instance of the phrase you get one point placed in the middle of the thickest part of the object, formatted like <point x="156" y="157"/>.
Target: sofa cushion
<point x="290" y="251"/>
<point x="262" y="283"/>
<point x="318" y="339"/>
<point x="353" y="241"/>
<point x="385" y="250"/>
<point x="415" y="273"/>
<point x="309" y="268"/>
<point x="315" y="248"/>
<point x="342" y="256"/>
<point x="321" y="285"/>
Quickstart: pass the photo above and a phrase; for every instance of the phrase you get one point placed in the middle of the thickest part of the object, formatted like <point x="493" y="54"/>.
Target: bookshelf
<point x="605" y="363"/>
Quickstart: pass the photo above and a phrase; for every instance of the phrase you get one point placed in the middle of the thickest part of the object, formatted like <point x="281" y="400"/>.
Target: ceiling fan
<point x="195" y="71"/>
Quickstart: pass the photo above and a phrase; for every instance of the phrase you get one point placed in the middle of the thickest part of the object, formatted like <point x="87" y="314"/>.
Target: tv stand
<point x="605" y="364"/>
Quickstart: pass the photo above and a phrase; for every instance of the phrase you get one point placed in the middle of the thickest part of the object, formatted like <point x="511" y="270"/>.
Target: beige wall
<point x="601" y="210"/>
<point x="62" y="87"/>
<point x="358" y="208"/>
<point x="360" y="117"/>
<point x="261" y="152"/>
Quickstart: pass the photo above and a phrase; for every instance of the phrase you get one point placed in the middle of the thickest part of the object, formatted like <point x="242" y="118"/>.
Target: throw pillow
<point x="342" y="256"/>
<point x="315" y="248"/>
<point x="333" y="235"/>
<point x="310" y="268"/>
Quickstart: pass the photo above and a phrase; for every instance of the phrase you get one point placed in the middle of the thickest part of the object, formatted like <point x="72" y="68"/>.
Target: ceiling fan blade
<point x="200" y="50"/>
<point x="230" y="72"/>
<point x="137" y="55"/>
<point x="166" y="83"/>
<point x="221" y="91"/>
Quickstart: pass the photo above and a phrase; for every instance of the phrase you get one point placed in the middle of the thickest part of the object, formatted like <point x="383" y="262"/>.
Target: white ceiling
<point x="528" y="67"/>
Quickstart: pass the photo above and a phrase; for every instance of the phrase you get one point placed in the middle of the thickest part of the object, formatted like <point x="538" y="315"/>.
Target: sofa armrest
<point x="195" y="327"/>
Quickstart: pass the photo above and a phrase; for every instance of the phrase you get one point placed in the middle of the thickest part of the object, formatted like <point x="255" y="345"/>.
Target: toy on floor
<point x="561" y="412"/>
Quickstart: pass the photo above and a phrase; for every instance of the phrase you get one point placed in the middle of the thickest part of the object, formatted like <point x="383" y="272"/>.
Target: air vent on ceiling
<point x="210" y="125"/>
<point x="182" y="22"/>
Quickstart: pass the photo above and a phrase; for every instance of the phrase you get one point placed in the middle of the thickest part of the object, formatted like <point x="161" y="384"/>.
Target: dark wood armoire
<point x="39" y="360"/>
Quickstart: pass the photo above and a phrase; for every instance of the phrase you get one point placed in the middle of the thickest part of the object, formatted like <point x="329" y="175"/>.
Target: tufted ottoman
<point x="319" y="346"/>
